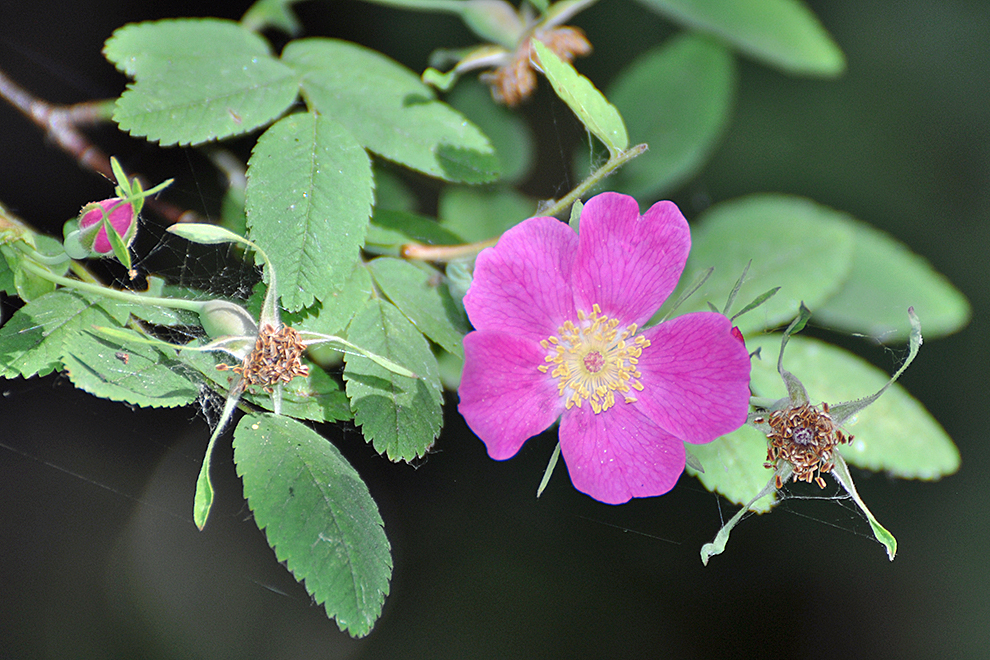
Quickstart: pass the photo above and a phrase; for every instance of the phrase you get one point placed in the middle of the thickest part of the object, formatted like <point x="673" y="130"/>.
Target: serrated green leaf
<point x="734" y="467"/>
<point x="391" y="229"/>
<point x="32" y="341"/>
<point x="309" y="196"/>
<point x="678" y="98"/>
<point x="895" y="434"/>
<point x="336" y="311"/>
<point x="510" y="135"/>
<point x="420" y="293"/>
<point x="782" y="33"/>
<point x="887" y="278"/>
<point x="477" y="214"/>
<point x="132" y="372"/>
<point x="400" y="416"/>
<point x="595" y="112"/>
<point x="794" y="243"/>
<point x="318" y="516"/>
<point x="390" y="111"/>
<point x="197" y="80"/>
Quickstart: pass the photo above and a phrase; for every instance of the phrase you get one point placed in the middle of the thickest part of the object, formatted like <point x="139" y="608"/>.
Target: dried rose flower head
<point x="515" y="81"/>
<point x="805" y="437"/>
<point x="275" y="358"/>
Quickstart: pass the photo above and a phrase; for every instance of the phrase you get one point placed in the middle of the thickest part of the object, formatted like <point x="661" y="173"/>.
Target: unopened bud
<point x="87" y="237"/>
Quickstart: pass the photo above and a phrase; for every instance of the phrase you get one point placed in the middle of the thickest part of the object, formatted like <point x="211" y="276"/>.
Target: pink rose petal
<point x="521" y="285"/>
<point x="505" y="399"/>
<point x="695" y="377"/>
<point x="620" y="454"/>
<point x="629" y="264"/>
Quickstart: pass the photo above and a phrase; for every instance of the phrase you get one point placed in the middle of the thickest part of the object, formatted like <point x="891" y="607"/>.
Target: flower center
<point x="593" y="359"/>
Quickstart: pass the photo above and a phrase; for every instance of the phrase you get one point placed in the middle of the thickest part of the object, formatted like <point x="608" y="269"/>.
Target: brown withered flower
<point x="515" y="81"/>
<point x="804" y="436"/>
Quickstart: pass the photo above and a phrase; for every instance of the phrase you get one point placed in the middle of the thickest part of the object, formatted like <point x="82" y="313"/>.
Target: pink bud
<point x="122" y="218"/>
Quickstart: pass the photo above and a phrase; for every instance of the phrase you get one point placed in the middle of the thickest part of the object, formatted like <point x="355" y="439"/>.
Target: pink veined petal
<point x="695" y="377"/>
<point x="629" y="264"/>
<point x="504" y="398"/>
<point x="619" y="454"/>
<point x="522" y="285"/>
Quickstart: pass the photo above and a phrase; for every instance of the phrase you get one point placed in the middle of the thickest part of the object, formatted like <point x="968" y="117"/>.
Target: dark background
<point x="99" y="557"/>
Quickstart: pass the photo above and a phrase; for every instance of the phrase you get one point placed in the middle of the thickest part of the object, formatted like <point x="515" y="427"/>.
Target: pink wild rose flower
<point x="557" y="317"/>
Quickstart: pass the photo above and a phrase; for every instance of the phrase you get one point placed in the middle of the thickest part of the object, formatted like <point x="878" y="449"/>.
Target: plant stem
<point x="447" y="253"/>
<point x="115" y="294"/>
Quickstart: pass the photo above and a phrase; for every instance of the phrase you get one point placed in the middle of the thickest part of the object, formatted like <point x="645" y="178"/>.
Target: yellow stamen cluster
<point x="275" y="358"/>
<point x="594" y="359"/>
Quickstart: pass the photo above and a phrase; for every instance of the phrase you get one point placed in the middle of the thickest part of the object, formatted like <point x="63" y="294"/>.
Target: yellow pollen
<point x="594" y="359"/>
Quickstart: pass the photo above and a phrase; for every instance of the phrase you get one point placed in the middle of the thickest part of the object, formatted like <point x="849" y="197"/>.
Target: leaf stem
<point x="115" y="294"/>
<point x="448" y="253"/>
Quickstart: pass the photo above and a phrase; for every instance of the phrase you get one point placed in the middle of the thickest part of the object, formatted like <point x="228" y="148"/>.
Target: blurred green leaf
<point x="401" y="416"/>
<point x="677" y="97"/>
<point x="391" y="192"/>
<point x="782" y="33"/>
<point x="197" y="80"/>
<point x="583" y="98"/>
<point x="734" y="467"/>
<point x="272" y="13"/>
<point x="794" y="243"/>
<point x="390" y="230"/>
<point x="420" y="293"/>
<point x="895" y="434"/>
<point x="477" y="214"/>
<point x="309" y="197"/>
<point x="887" y="278"/>
<point x="390" y="111"/>
<point x="510" y="135"/>
<point x="318" y="516"/>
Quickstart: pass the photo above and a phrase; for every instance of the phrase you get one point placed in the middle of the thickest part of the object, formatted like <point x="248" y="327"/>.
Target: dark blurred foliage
<point x="98" y="554"/>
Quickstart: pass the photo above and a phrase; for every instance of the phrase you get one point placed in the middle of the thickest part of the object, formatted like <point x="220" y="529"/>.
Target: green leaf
<point x="477" y="214"/>
<point x="677" y="97"/>
<point x="595" y="112"/>
<point x="391" y="229"/>
<point x="420" y="293"/>
<point x="510" y="135"/>
<point x="309" y="196"/>
<point x="318" y="516"/>
<point x="390" y="111"/>
<point x="272" y="13"/>
<point x="734" y="467"/>
<point x="401" y="416"/>
<point x="129" y="371"/>
<point x="391" y="192"/>
<point x="794" y="243"/>
<point x="887" y="278"/>
<point x="782" y="33"/>
<point x="336" y="311"/>
<point x="895" y="434"/>
<point x="33" y="340"/>
<point x="197" y="80"/>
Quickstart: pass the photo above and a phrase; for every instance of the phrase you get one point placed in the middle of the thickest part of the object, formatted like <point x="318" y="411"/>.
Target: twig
<point x="61" y="125"/>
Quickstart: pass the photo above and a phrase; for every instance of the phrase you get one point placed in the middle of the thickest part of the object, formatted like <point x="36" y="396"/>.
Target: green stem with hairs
<point x="114" y="294"/>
